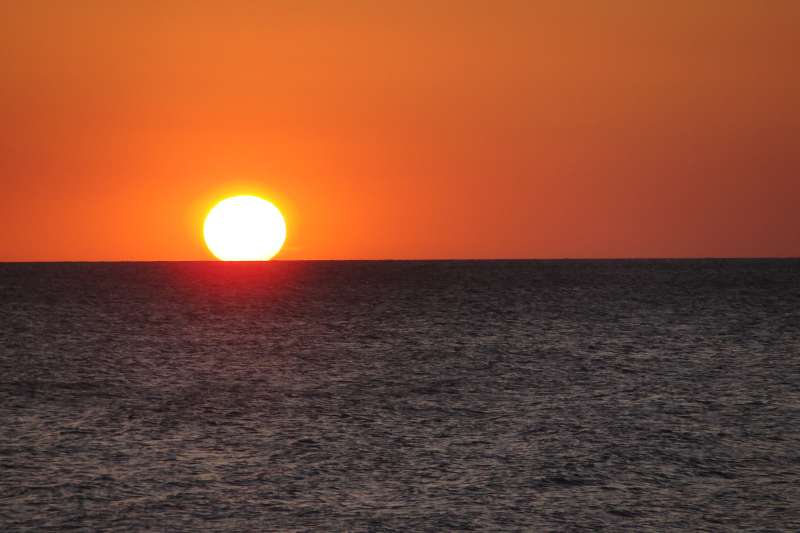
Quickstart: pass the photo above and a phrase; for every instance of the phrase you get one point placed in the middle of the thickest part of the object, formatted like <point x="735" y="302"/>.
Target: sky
<point x="402" y="129"/>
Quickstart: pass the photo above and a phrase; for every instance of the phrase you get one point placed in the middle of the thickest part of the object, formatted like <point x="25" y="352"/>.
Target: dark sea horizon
<point x="425" y="395"/>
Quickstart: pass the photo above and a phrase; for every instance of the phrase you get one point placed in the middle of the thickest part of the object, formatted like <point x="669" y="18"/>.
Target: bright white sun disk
<point x="244" y="228"/>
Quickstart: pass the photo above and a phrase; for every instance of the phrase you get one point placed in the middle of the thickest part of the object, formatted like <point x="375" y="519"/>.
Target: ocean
<point x="400" y="396"/>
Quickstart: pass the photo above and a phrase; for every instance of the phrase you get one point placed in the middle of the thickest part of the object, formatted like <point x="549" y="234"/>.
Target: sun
<point x="244" y="228"/>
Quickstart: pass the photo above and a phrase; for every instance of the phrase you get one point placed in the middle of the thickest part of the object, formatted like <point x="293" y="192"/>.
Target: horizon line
<point x="418" y="260"/>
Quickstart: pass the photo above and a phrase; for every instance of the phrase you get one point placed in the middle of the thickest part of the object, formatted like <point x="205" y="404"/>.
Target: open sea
<point x="400" y="396"/>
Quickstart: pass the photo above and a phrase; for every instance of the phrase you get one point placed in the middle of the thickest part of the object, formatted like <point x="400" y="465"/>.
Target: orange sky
<point x="402" y="129"/>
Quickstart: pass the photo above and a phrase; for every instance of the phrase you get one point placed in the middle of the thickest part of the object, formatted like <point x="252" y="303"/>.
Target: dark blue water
<point x="400" y="396"/>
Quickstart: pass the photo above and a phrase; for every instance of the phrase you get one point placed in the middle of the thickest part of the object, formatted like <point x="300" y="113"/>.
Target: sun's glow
<point x="244" y="228"/>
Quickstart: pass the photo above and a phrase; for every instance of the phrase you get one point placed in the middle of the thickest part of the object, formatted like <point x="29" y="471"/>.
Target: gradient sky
<point x="407" y="129"/>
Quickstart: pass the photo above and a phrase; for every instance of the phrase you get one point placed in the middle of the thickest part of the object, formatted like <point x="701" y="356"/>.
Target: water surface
<point x="400" y="395"/>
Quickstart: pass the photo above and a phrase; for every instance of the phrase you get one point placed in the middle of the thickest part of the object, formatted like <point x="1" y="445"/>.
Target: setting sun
<point x="244" y="228"/>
